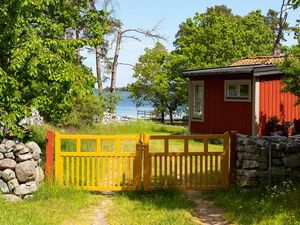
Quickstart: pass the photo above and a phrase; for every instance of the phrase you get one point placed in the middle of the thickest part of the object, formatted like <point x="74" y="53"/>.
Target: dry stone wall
<point x="20" y="170"/>
<point x="252" y="163"/>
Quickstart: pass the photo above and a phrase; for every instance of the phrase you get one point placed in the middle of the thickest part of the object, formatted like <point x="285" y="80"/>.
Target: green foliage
<point x="85" y="112"/>
<point x="217" y="37"/>
<point x="158" y="80"/>
<point x="38" y="65"/>
<point x="291" y="69"/>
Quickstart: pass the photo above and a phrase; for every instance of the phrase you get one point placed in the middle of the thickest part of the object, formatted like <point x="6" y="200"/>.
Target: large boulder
<point x="26" y="189"/>
<point x="34" y="149"/>
<point x="292" y="161"/>
<point x="7" y="164"/>
<point x="8" y="175"/>
<point x="25" y="171"/>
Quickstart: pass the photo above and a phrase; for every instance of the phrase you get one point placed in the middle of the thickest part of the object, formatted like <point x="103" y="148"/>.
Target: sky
<point x="168" y="14"/>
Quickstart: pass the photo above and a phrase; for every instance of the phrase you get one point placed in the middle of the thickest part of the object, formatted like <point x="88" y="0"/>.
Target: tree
<point x="38" y="62"/>
<point x="158" y="81"/>
<point x="291" y="65"/>
<point x="217" y="37"/>
<point x="281" y="24"/>
<point x="291" y="69"/>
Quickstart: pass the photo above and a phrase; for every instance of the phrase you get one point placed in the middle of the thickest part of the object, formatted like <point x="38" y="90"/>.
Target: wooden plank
<point x="98" y="172"/>
<point x="77" y="171"/>
<point x="95" y="137"/>
<point x="93" y="154"/>
<point x="155" y="169"/>
<point x="186" y="137"/>
<point x="206" y="171"/>
<point x="191" y="171"/>
<point x="58" y="159"/>
<point x="184" y="154"/>
<point x="123" y="172"/>
<point x="50" y="139"/>
<point x="196" y="171"/>
<point x="102" y="171"/>
<point x="88" y="172"/>
<point x="170" y="170"/>
<point x="93" y="172"/>
<point x="160" y="171"/>
<point x="72" y="171"/>
<point x="82" y="171"/>
<point x="67" y="172"/>
<point x="129" y="172"/>
<point x="180" y="170"/>
<point x="175" y="170"/>
<point x="185" y="171"/>
<point x="113" y="170"/>
<point x="119" y="171"/>
<point x="201" y="170"/>
<point x="147" y="164"/>
<point x="211" y="170"/>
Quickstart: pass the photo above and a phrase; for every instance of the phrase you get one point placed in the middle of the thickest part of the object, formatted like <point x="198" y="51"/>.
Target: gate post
<point x="233" y="152"/>
<point x="137" y="168"/>
<point x="225" y="161"/>
<point x="147" y="163"/>
<point x="58" y="164"/>
<point x="49" y="155"/>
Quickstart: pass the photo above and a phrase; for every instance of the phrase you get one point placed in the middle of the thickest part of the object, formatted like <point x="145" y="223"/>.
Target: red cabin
<point x="245" y="97"/>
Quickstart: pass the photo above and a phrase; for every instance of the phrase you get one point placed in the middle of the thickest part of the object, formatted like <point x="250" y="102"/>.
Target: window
<point x="238" y="90"/>
<point x="197" y="100"/>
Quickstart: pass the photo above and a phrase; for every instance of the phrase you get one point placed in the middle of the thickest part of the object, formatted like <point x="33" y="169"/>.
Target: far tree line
<point x="41" y="65"/>
<point x="214" y="38"/>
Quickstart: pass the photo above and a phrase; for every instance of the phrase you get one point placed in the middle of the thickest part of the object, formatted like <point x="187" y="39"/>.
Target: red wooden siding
<point x="272" y="102"/>
<point x="220" y="115"/>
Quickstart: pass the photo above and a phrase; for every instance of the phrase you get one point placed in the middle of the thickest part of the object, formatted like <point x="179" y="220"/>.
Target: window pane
<point x="198" y="101"/>
<point x="233" y="90"/>
<point x="244" y="90"/>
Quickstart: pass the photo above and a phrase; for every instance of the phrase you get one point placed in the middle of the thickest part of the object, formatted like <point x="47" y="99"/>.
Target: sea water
<point x="127" y="107"/>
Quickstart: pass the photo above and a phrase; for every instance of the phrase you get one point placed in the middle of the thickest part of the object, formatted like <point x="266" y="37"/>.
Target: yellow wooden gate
<point x="102" y="163"/>
<point x="180" y="167"/>
<point x="112" y="163"/>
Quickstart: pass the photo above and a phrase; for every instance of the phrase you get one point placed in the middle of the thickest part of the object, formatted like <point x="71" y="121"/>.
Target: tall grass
<point x="277" y="206"/>
<point x="117" y="128"/>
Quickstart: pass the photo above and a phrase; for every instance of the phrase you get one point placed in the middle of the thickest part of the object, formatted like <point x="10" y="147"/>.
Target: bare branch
<point x="126" y="64"/>
<point x="132" y="37"/>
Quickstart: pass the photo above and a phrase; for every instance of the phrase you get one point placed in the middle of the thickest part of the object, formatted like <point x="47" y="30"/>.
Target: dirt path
<point x="92" y="216"/>
<point x="206" y="212"/>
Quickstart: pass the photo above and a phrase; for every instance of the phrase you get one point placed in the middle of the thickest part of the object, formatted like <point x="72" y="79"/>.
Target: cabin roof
<point x="258" y="66"/>
<point x="266" y="60"/>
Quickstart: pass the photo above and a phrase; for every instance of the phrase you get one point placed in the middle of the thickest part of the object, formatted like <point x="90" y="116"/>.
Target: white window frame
<point x="192" y="100"/>
<point x="236" y="98"/>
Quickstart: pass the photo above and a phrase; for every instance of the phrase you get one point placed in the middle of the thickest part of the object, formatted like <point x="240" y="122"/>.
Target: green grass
<point x="151" y="208"/>
<point x="278" y="206"/>
<point x="50" y="205"/>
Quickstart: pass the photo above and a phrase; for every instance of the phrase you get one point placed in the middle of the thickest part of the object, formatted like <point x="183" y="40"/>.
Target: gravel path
<point x="91" y="216"/>
<point x="206" y="212"/>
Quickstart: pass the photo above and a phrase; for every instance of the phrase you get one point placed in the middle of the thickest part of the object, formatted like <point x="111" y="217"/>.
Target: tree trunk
<point x="171" y="116"/>
<point x="98" y="69"/>
<point x="115" y="62"/>
<point x="282" y="21"/>
<point x="162" y="117"/>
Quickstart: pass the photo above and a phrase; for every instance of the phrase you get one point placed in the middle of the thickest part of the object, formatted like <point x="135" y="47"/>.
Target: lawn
<point x="151" y="208"/>
<point x="279" y="205"/>
<point x="49" y="206"/>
